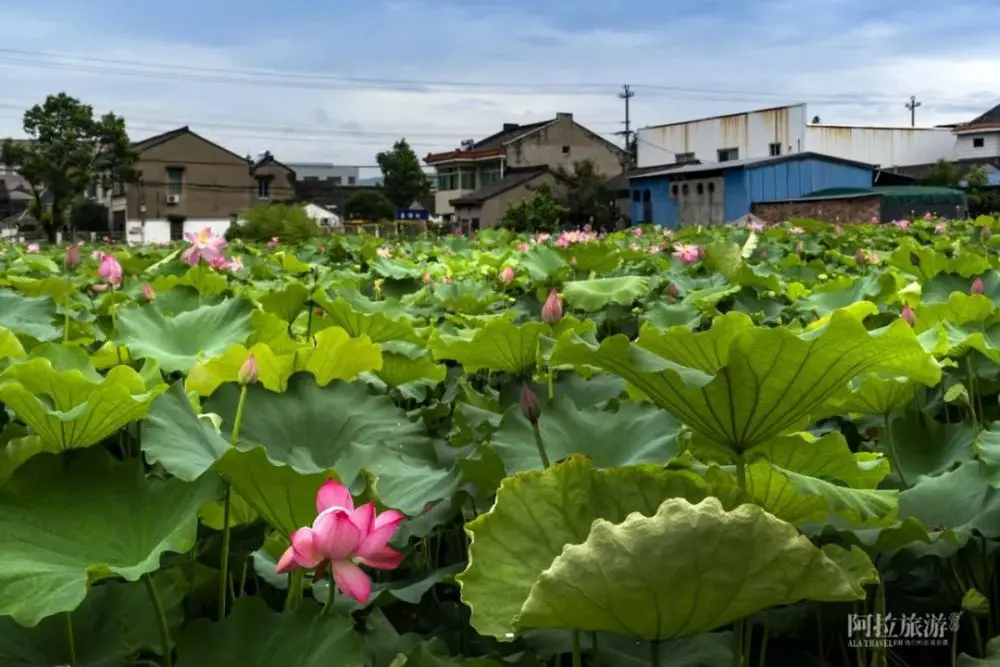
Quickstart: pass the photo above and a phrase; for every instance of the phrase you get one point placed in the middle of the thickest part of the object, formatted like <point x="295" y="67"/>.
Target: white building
<point x="783" y="130"/>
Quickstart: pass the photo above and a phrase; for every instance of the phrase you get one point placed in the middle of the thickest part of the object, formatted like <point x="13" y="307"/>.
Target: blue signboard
<point x="410" y="214"/>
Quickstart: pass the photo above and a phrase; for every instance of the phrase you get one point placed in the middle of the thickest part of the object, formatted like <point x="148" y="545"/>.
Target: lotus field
<point x="773" y="446"/>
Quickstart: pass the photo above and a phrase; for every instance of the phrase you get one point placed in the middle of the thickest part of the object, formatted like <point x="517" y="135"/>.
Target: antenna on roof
<point x="468" y="143"/>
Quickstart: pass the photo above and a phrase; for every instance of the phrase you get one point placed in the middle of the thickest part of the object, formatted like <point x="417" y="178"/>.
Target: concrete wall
<point x="857" y="210"/>
<point x="491" y="211"/>
<point x="564" y="143"/>
<point x="751" y="133"/>
<point x="158" y="231"/>
<point x="965" y="145"/>
<point x="883" y="146"/>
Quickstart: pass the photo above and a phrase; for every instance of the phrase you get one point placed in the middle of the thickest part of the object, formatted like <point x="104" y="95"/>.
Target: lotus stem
<point x="577" y="658"/>
<point x="654" y="653"/>
<point x="161" y="620"/>
<point x="296" y="582"/>
<point x="891" y="443"/>
<point x="597" y="653"/>
<point x="540" y="445"/>
<point x="70" y="639"/>
<point x="227" y="510"/>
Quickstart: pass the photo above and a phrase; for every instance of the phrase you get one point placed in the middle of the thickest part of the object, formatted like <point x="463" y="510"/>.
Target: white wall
<point x="964" y="149"/>
<point x="158" y="231"/>
<point x="751" y="133"/>
<point x="884" y="146"/>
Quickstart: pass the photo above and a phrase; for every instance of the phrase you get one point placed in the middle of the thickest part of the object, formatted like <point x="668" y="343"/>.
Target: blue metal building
<point x="712" y="194"/>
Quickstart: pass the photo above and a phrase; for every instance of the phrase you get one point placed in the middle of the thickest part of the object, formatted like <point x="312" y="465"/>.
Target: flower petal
<point x="287" y="562"/>
<point x="333" y="494"/>
<point x="382" y="531"/>
<point x="336" y="537"/>
<point x="304" y="545"/>
<point x="352" y="580"/>
<point x="364" y="518"/>
<point x="386" y="558"/>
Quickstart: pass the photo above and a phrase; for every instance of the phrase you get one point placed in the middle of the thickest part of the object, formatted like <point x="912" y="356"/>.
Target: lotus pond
<point x="722" y="447"/>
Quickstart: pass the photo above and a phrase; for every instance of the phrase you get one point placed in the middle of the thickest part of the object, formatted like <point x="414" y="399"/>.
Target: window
<point x="684" y="158"/>
<point x="447" y="179"/>
<point x="684" y="189"/>
<point x="775" y="149"/>
<point x="176" y="228"/>
<point x="647" y="207"/>
<point x="175" y="181"/>
<point x="118" y="188"/>
<point x="728" y="154"/>
<point x="674" y="191"/>
<point x="263" y="187"/>
<point x="467" y="178"/>
<point x="351" y="180"/>
<point x="978" y="142"/>
<point x="701" y="189"/>
<point x="565" y="150"/>
<point x="711" y="187"/>
<point x="489" y="176"/>
<point x="92" y="189"/>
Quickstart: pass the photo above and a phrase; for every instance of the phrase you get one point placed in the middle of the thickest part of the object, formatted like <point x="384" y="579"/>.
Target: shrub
<point x="289" y="222"/>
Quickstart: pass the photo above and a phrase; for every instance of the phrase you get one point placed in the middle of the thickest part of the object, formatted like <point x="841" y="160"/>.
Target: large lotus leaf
<point x="74" y="408"/>
<point x="687" y="570"/>
<point x="954" y="504"/>
<point x="940" y="289"/>
<point x="873" y="394"/>
<point x="17" y="445"/>
<point x="114" y="623"/>
<point x="636" y="433"/>
<point x="403" y="363"/>
<point x="741" y="385"/>
<point x="10" y="346"/>
<point x="273" y="370"/>
<point x="990" y="659"/>
<point x="713" y="649"/>
<point x="537" y="513"/>
<point x="592" y="256"/>
<point x="177" y="343"/>
<point x="840" y="293"/>
<point x="380" y="321"/>
<point x="923" y="446"/>
<point x="69" y="522"/>
<point x="30" y="316"/>
<point x="337" y="356"/>
<point x="254" y="636"/>
<point x="542" y="262"/>
<point x="287" y="302"/>
<point x="499" y="345"/>
<point x="594" y="295"/>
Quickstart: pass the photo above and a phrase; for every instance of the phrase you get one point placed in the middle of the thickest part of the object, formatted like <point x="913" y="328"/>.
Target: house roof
<point x="727" y="115"/>
<point x="270" y="159"/>
<point x="145" y="144"/>
<point x="689" y="169"/>
<point x="992" y="116"/>
<point x="512" y="179"/>
<point x="620" y="182"/>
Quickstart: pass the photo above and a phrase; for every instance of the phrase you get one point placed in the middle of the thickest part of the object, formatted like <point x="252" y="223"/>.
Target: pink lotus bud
<point x="71" y="259"/>
<point x="860" y="257"/>
<point x="674" y="290"/>
<point x="507" y="275"/>
<point x="248" y="372"/>
<point x="552" y="309"/>
<point x="977" y="286"/>
<point x="530" y="407"/>
<point x="986" y="232"/>
<point x="110" y="270"/>
<point x="908" y="315"/>
<point x="148" y="293"/>
<point x="763" y="254"/>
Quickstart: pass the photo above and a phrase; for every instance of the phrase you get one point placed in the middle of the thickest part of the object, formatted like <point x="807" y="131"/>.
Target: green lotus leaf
<point x="273" y="370"/>
<point x="69" y="523"/>
<point x="874" y="394"/>
<point x="741" y="385"/>
<point x="403" y="363"/>
<point x="381" y="321"/>
<point x="594" y="295"/>
<point x="29" y="316"/>
<point x="499" y="345"/>
<point x="537" y="513"/>
<point x="337" y="356"/>
<point x="542" y="262"/>
<point x="925" y="446"/>
<point x="178" y="343"/>
<point x="990" y="659"/>
<point x="286" y="302"/>
<point x="254" y="636"/>
<point x="954" y="504"/>
<point x="636" y="433"/>
<point x="10" y="346"/>
<point x="687" y="570"/>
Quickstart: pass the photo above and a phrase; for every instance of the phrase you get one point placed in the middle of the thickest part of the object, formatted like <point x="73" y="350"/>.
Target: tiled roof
<point x="512" y="179"/>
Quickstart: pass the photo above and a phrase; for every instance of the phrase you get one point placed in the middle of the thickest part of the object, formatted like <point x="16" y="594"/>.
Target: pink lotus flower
<point x="902" y="224"/>
<point x="110" y="271"/>
<point x="273" y="243"/>
<point x="654" y="249"/>
<point x="344" y="537"/>
<point x="523" y="247"/>
<point x="219" y="262"/>
<point x="204" y="244"/>
<point x="384" y="252"/>
<point x="928" y="216"/>
<point x="908" y="316"/>
<point x="148" y="293"/>
<point x="507" y="275"/>
<point x="756" y="226"/>
<point x="235" y="264"/>
<point x="940" y="228"/>
<point x="552" y="309"/>
<point x="71" y="259"/>
<point x="248" y="371"/>
<point x="637" y="231"/>
<point x="33" y="247"/>
<point x="688" y="254"/>
<point x="874" y="219"/>
<point x="977" y="286"/>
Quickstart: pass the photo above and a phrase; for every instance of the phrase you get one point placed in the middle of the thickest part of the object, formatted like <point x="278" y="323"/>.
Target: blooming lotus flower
<point x="273" y="243"/>
<point x="654" y="249"/>
<point x="908" y="316"/>
<point x="902" y="224"/>
<point x="203" y="244"/>
<point x="344" y="537"/>
<point x="148" y="293"/>
<point x="796" y="230"/>
<point x="552" y="309"/>
<point x="523" y="247"/>
<point x="33" y="247"/>
<point x="507" y="275"/>
<point x="384" y="252"/>
<point x="637" y="231"/>
<point x="235" y="264"/>
<point x="688" y="254"/>
<point x="219" y="262"/>
<point x="940" y="228"/>
<point x="110" y="270"/>
<point x="97" y="254"/>
<point x="928" y="216"/>
<point x="874" y="219"/>
<point x="977" y="286"/>
<point x="71" y="259"/>
<point x="756" y="226"/>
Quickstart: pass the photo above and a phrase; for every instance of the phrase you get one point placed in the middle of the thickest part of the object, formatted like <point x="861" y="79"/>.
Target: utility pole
<point x="627" y="94"/>
<point x="912" y="106"/>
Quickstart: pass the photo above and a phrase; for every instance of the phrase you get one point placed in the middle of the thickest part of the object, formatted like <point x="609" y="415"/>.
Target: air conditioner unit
<point x="173" y="199"/>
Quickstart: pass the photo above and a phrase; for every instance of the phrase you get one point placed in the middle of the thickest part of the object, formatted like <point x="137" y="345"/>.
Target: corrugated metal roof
<point x="749" y="162"/>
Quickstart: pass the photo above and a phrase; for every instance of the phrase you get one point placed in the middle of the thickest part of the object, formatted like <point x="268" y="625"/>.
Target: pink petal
<point x="393" y="517"/>
<point x="304" y="545"/>
<point x="191" y="237"/>
<point x="364" y="518"/>
<point x="352" y="581"/>
<point x="380" y="534"/>
<point x="386" y="558"/>
<point x="333" y="494"/>
<point x="335" y="536"/>
<point x="287" y="561"/>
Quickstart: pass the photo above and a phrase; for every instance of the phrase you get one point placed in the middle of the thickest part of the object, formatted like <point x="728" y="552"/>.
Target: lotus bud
<point x="248" y="372"/>
<point x="110" y="270"/>
<point x="72" y="258"/>
<point x="674" y="290"/>
<point x="507" y="275"/>
<point x="530" y="407"/>
<point x="148" y="293"/>
<point x="552" y="310"/>
<point x="908" y="315"/>
<point x="986" y="232"/>
<point x="977" y="286"/>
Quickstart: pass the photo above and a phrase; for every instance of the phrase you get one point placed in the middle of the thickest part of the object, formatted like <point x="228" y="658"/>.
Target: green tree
<point x="404" y="179"/>
<point x="67" y="149"/>
<point x="943" y="174"/>
<point x="538" y="212"/>
<point x="288" y="222"/>
<point x="370" y="204"/>
<point x="588" y="199"/>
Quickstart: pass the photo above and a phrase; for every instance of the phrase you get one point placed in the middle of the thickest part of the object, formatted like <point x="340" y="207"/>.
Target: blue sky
<point x="343" y="77"/>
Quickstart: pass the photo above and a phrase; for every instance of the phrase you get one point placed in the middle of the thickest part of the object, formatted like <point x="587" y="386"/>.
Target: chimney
<point x="564" y="116"/>
<point x="507" y="127"/>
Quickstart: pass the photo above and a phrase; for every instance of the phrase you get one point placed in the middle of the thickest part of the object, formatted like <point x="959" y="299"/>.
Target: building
<point x="712" y="194"/>
<point x="188" y="183"/>
<point x="865" y="205"/>
<point x="979" y="139"/>
<point x="325" y="172"/>
<point x="783" y="130"/>
<point x="323" y="217"/>
<point x="475" y="183"/>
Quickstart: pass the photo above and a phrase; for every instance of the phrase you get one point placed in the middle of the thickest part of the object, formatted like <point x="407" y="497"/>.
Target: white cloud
<point x="850" y="63"/>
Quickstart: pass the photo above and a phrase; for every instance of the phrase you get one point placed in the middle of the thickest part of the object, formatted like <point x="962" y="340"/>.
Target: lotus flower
<point x="273" y="243"/>
<point x="71" y="259"/>
<point x="248" y="371"/>
<point x="985" y="233"/>
<point x="345" y="537"/>
<point x="940" y="228"/>
<point x="688" y="254"/>
<point x="756" y="226"/>
<point x="235" y="264"/>
<point x="928" y="216"/>
<point x="908" y="316"/>
<point x="203" y="244"/>
<point x="637" y="231"/>
<point x="507" y="275"/>
<point x="552" y="309"/>
<point x="860" y="256"/>
<point x="977" y="286"/>
<point x="530" y="407"/>
<point x="110" y="270"/>
<point x="148" y="293"/>
<point x="384" y="252"/>
<point x="902" y="224"/>
<point x="874" y="219"/>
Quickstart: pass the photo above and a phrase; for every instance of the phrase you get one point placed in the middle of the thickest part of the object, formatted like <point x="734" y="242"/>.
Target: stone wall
<point x="850" y="210"/>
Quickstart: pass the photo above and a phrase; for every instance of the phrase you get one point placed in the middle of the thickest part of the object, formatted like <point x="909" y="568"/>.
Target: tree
<point x="982" y="200"/>
<point x="67" y="148"/>
<point x="370" y="204"/>
<point x="403" y="178"/>
<point x="288" y="222"/>
<point x="588" y="198"/>
<point x="942" y="174"/>
<point x="538" y="212"/>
